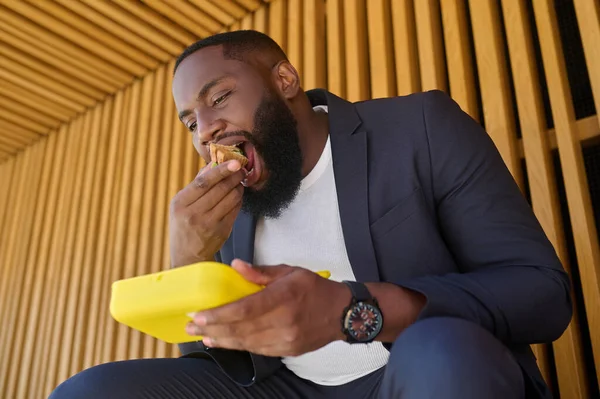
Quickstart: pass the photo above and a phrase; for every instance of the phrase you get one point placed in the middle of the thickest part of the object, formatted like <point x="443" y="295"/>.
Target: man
<point x="441" y="275"/>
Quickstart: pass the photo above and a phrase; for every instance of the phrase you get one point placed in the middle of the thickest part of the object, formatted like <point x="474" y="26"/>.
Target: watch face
<point x="363" y="321"/>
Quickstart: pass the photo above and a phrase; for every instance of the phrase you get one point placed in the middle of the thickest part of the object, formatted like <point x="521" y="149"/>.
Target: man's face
<point x="228" y="102"/>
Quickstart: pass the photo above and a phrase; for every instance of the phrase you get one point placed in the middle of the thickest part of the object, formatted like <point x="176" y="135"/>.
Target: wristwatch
<point x="362" y="320"/>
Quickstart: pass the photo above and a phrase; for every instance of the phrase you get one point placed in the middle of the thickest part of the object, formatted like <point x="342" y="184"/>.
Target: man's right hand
<point x="202" y="214"/>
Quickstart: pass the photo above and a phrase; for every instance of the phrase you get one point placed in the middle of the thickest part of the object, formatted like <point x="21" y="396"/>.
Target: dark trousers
<point x="434" y="358"/>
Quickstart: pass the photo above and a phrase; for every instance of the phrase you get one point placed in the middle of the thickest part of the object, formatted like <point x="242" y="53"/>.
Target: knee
<point x="89" y="383"/>
<point x="450" y="353"/>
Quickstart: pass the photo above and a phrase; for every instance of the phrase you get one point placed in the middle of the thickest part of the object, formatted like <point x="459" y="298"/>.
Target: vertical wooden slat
<point x="91" y="239"/>
<point x="408" y="78"/>
<point x="109" y="350"/>
<point x="493" y="79"/>
<point x="6" y="174"/>
<point x="37" y="351"/>
<point x="314" y="45"/>
<point x="127" y="347"/>
<point x="17" y="258"/>
<point x="577" y="191"/>
<point x="177" y="135"/>
<point x="8" y="231"/>
<point x="295" y="35"/>
<point x="76" y="210"/>
<point x="161" y="208"/>
<point x="102" y="264"/>
<point x="81" y="230"/>
<point x="568" y="352"/>
<point x="431" y="50"/>
<point x="149" y="194"/>
<point x="261" y="19"/>
<point x="247" y="21"/>
<point x="458" y="55"/>
<point x="357" y="57"/>
<point x="381" y="49"/>
<point x="70" y="142"/>
<point x="588" y="19"/>
<point x="336" y="48"/>
<point x="32" y="283"/>
<point x="277" y="22"/>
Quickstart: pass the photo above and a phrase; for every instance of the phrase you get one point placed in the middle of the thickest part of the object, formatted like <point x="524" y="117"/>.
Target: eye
<point x="222" y="98"/>
<point x="192" y="127"/>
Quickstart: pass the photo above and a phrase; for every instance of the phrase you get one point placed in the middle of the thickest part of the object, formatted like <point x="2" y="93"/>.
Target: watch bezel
<point x="354" y="336"/>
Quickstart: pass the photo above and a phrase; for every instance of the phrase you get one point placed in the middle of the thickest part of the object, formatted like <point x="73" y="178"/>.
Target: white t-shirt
<point x="309" y="234"/>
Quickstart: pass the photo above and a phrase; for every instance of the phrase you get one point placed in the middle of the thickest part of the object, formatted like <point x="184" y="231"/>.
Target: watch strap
<point x="360" y="292"/>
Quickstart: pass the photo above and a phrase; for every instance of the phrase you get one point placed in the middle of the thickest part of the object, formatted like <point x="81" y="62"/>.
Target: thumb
<point x="262" y="275"/>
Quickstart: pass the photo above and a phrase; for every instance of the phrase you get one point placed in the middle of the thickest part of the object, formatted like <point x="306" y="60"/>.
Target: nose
<point x="207" y="130"/>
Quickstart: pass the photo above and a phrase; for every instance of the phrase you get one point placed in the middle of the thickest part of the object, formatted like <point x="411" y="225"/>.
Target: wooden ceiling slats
<point x="51" y="72"/>
<point x="229" y="6"/>
<point x="24" y="122"/>
<point x="17" y="132"/>
<point x="123" y="32"/>
<point x="193" y="13"/>
<point x="217" y="13"/>
<point x="26" y="112"/>
<point x="17" y="93"/>
<point x="249" y="5"/>
<point x="49" y="94"/>
<point x="69" y="49"/>
<point x="90" y="29"/>
<point x="169" y="36"/>
<point x="86" y="42"/>
<point x="20" y="63"/>
<point x="54" y="56"/>
<point x="183" y="20"/>
<point x="25" y="77"/>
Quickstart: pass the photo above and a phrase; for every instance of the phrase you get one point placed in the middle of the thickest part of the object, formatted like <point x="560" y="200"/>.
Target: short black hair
<point x="235" y="44"/>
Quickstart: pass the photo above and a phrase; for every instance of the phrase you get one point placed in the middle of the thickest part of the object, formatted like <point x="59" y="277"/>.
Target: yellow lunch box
<point x="160" y="304"/>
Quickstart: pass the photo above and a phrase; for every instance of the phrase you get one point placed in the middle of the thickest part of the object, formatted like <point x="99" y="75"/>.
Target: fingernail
<point x="207" y="341"/>
<point x="234" y="166"/>
<point x="200" y="320"/>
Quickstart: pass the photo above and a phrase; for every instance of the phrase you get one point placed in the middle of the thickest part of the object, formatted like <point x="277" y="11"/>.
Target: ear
<point x="287" y="79"/>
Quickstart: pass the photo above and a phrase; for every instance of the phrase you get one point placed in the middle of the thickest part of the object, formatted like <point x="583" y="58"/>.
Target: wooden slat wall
<point x="87" y="203"/>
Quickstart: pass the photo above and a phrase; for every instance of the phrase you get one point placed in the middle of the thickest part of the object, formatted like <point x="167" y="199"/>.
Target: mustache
<point x="245" y="134"/>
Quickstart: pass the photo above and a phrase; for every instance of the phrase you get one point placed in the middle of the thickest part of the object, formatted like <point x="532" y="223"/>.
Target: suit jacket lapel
<point x="349" y="153"/>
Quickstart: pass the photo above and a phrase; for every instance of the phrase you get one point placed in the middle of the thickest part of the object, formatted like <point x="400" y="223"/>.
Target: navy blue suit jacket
<point x="427" y="203"/>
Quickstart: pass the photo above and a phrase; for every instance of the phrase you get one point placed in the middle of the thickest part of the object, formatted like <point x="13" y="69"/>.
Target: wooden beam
<point x="577" y="191"/>
<point x="408" y="75"/>
<point x="431" y="51"/>
<point x="381" y="49"/>
<point x="458" y="56"/>
<point x="357" y="51"/>
<point x="336" y="48"/>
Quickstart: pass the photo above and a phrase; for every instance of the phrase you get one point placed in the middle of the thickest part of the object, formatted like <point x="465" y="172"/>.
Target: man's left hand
<point x="297" y="312"/>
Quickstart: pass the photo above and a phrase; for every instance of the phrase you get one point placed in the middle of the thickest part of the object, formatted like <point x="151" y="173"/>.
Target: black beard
<point x="275" y="137"/>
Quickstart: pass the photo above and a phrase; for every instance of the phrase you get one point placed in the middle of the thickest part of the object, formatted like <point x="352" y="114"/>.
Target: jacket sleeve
<point x="510" y="280"/>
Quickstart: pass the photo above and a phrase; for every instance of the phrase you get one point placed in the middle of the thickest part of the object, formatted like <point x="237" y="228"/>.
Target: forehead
<point x="200" y="68"/>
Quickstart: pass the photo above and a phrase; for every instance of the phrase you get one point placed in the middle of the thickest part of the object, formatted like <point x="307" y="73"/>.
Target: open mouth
<point x="253" y="167"/>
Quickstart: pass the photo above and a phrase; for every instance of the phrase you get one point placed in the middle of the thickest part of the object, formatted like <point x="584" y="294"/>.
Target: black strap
<point x="360" y="292"/>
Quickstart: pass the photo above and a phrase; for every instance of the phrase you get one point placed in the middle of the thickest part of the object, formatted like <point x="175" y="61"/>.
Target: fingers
<point x="224" y="207"/>
<point x="249" y="308"/>
<point x="205" y="180"/>
<point x="262" y="275"/>
<point x="215" y="196"/>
